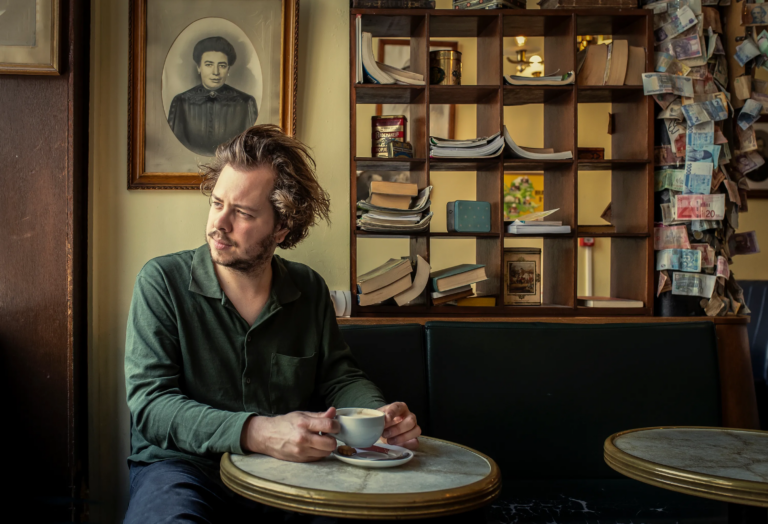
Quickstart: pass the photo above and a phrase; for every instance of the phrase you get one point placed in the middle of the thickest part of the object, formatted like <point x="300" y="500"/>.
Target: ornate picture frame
<point x="29" y="38"/>
<point x="198" y="76"/>
<point x="522" y="276"/>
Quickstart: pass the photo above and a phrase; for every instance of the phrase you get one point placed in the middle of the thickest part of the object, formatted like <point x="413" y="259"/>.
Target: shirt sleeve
<point x="341" y="382"/>
<point x="161" y="412"/>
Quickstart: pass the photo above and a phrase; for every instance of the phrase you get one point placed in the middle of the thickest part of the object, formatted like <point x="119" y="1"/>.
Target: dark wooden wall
<point x="43" y="264"/>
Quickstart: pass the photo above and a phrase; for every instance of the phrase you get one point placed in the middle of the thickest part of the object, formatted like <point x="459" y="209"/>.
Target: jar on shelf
<point x="445" y="68"/>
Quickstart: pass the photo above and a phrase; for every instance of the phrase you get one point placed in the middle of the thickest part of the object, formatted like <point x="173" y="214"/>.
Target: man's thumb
<point x="330" y="413"/>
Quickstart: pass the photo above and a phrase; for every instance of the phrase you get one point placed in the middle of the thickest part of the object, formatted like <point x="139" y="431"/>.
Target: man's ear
<point x="281" y="233"/>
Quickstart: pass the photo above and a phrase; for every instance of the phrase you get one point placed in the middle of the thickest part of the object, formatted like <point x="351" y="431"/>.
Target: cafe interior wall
<point x="127" y="228"/>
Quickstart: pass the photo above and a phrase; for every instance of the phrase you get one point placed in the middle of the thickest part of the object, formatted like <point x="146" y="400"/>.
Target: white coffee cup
<point x="359" y="427"/>
<point x="342" y="303"/>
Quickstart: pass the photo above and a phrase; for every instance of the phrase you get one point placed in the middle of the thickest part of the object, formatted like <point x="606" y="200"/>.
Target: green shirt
<point x="195" y="370"/>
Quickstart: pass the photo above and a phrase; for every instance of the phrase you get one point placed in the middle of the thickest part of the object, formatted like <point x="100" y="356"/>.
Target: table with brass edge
<point x="729" y="465"/>
<point x="443" y="478"/>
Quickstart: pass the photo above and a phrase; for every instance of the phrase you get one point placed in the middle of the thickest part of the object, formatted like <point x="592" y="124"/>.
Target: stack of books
<point x="489" y="4"/>
<point x="609" y="302"/>
<point x="549" y="80"/>
<point x="489" y="147"/>
<point x="393" y="194"/>
<point x="533" y="224"/>
<point x="454" y="283"/>
<point x="368" y="70"/>
<point x="392" y="280"/>
<point x="613" y="64"/>
<point x="378" y="214"/>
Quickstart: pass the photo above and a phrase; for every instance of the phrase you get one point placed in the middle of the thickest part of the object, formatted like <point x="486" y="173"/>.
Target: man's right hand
<point x="294" y="437"/>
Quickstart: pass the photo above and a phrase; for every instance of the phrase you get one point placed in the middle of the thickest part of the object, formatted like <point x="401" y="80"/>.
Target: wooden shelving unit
<point x="632" y="145"/>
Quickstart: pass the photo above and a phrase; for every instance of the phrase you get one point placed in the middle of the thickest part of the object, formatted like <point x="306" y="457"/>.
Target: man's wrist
<point x="249" y="437"/>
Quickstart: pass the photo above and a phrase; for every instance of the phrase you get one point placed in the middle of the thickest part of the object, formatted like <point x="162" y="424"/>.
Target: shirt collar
<point x="204" y="282"/>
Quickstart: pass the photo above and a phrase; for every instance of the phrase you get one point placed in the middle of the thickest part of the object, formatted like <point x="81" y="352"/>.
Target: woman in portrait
<point x="212" y="112"/>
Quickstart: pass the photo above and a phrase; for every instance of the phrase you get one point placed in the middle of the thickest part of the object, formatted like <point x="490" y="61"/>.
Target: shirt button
<point x="247" y="381"/>
<point x="248" y="339"/>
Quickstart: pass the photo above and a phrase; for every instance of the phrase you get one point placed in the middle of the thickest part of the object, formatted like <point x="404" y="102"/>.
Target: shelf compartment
<point x="372" y="234"/>
<point x="445" y="234"/>
<point x="607" y="94"/>
<point x="463" y="164"/>
<point x="605" y="231"/>
<point x="608" y="165"/>
<point x="388" y="164"/>
<point x="611" y="21"/>
<point x="462" y="94"/>
<point x="387" y="94"/>
<point x="525" y="165"/>
<point x="456" y="23"/>
<point x="396" y="22"/>
<point x="523" y="95"/>
<point x="541" y="235"/>
<point x="532" y="23"/>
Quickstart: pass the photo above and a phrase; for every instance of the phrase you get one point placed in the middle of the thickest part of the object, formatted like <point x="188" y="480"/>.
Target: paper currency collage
<point x="704" y="149"/>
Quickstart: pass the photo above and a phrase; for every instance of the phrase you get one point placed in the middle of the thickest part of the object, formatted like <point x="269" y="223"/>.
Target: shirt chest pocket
<point x="291" y="382"/>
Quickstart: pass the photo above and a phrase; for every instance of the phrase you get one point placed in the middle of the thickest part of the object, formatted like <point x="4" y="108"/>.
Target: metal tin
<point x="445" y="67"/>
<point x="386" y="129"/>
<point x="522" y="276"/>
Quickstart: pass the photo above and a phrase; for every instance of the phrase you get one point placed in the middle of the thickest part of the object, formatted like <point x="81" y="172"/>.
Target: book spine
<point x="450" y="211"/>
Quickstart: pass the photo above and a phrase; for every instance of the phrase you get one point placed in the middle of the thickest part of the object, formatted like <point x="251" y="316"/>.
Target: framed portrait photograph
<point x="202" y="72"/>
<point x="522" y="276"/>
<point x="758" y="179"/>
<point x="29" y="37"/>
<point x="397" y="53"/>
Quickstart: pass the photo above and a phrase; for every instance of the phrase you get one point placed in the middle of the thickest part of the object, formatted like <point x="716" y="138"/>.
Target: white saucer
<point x="373" y="462"/>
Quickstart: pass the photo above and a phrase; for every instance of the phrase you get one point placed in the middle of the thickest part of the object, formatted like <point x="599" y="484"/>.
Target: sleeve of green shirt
<point x="162" y="413"/>
<point x="341" y="383"/>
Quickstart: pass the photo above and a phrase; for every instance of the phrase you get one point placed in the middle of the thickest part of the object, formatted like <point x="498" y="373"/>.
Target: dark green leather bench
<point x="540" y="399"/>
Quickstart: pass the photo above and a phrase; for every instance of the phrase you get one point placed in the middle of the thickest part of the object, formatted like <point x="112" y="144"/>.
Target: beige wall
<point x="130" y="227"/>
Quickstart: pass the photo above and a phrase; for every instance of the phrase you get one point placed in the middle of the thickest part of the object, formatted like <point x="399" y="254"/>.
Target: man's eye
<point x="217" y="204"/>
<point x="245" y="214"/>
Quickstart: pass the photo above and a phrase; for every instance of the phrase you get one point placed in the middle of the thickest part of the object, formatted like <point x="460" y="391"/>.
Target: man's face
<point x="241" y="230"/>
<point x="213" y="69"/>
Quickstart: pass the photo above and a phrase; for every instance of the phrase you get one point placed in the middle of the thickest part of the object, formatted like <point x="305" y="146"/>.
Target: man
<point x="212" y="112"/>
<point x="229" y="345"/>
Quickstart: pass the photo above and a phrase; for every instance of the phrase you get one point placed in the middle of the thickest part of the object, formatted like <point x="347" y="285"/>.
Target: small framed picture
<point x="202" y="72"/>
<point x="29" y="37"/>
<point x="522" y="276"/>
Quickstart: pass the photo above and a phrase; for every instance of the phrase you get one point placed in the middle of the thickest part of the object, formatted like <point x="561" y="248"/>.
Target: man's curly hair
<point x="297" y="198"/>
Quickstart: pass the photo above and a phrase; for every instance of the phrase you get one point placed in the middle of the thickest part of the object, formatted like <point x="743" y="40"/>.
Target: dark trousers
<point x="175" y="491"/>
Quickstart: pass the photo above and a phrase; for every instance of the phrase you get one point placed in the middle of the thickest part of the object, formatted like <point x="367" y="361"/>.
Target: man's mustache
<point x="215" y="235"/>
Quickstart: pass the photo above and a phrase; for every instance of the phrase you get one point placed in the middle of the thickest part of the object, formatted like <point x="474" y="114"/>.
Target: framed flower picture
<point x="202" y="72"/>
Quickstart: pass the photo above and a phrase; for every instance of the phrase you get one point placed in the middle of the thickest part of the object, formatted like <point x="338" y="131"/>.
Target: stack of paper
<point x="488" y="147"/>
<point x="383" y="219"/>
<point x="549" y="80"/>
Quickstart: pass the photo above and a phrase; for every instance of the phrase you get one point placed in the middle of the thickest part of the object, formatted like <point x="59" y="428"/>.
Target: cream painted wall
<point x="127" y="228"/>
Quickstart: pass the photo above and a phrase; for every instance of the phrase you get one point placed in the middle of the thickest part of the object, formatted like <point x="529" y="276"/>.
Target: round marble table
<point x="730" y="465"/>
<point x="442" y="479"/>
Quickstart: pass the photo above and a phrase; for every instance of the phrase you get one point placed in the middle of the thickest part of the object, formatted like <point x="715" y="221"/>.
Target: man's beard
<point x="253" y="261"/>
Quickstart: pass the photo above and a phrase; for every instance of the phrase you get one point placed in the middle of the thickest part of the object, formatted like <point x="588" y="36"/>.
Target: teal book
<point x="457" y="276"/>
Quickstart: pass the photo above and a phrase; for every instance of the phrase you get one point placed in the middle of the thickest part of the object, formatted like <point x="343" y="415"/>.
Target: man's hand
<point x="400" y="428"/>
<point x="294" y="437"/>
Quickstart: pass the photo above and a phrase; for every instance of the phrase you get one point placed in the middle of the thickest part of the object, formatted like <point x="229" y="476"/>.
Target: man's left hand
<point x="400" y="428"/>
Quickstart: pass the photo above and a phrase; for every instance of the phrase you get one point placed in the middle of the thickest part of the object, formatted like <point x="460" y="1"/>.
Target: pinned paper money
<point x="677" y="133"/>
<point x="747" y="139"/>
<point x="722" y="268"/>
<point x="673" y="111"/>
<point x="700" y="207"/>
<point x="703" y="225"/>
<point x="701" y="135"/>
<point x="694" y="285"/>
<point x="704" y="154"/>
<point x="675" y="237"/>
<point x="707" y="254"/>
<point x="754" y="14"/>
<point x="762" y="42"/>
<point x="746" y="51"/>
<point x="698" y="178"/>
<point x="678" y="23"/>
<point x="705" y="111"/>
<point x="688" y="260"/>
<point x="688" y="47"/>
<point x="747" y="162"/>
<point x="663" y="83"/>
<point x="673" y="179"/>
<point x="749" y="114"/>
